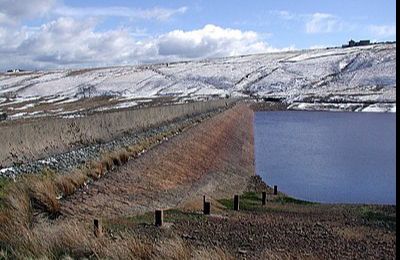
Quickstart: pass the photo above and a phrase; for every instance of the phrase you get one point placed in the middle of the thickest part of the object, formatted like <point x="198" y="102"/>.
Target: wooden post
<point x="275" y="190"/>
<point x="207" y="208"/>
<point x="264" y="198"/>
<point x="159" y="218"/>
<point x="236" y="202"/>
<point x="97" y="228"/>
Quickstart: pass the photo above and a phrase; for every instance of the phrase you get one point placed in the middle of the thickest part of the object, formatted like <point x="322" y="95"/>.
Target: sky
<point x="53" y="34"/>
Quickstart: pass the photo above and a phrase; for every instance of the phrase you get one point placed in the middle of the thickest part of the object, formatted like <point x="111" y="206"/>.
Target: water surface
<point x="334" y="157"/>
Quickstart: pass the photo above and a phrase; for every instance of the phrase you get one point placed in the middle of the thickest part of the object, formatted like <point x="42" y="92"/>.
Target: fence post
<point x="236" y="202"/>
<point x="264" y="198"/>
<point x="97" y="228"/>
<point x="159" y="217"/>
<point x="207" y="208"/>
<point x="275" y="190"/>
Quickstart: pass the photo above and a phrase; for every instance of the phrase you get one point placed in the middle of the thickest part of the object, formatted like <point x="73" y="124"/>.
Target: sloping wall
<point x="22" y="142"/>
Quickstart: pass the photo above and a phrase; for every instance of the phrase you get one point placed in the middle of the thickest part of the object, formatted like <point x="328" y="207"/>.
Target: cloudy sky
<point x="50" y="34"/>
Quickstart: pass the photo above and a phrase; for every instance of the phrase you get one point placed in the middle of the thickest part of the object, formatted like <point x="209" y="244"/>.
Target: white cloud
<point x="323" y="23"/>
<point x="11" y="11"/>
<point x="210" y="41"/>
<point x="67" y="42"/>
<point x="382" y="31"/>
<point x="156" y="13"/>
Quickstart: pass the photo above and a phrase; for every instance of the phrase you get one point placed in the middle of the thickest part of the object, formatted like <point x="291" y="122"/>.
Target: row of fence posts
<point x="159" y="215"/>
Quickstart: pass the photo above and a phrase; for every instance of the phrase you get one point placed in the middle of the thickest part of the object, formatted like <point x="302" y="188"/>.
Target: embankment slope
<point x="25" y="141"/>
<point x="214" y="158"/>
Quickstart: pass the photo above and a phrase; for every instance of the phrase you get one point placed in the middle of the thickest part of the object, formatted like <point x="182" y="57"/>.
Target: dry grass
<point x="115" y="159"/>
<point x="22" y="236"/>
<point x="123" y="156"/>
<point x="76" y="240"/>
<point x="40" y="193"/>
<point x="68" y="184"/>
<point x="107" y="163"/>
<point x="43" y="195"/>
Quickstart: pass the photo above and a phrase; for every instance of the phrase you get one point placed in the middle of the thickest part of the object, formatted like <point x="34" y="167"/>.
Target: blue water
<point x="333" y="157"/>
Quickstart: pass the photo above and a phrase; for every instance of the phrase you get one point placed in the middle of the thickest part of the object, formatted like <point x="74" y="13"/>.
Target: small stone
<point x="242" y="251"/>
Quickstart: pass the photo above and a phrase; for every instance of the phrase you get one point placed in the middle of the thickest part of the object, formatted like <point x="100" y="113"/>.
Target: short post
<point x="204" y="199"/>
<point x="97" y="228"/>
<point x="264" y="198"/>
<point x="236" y="202"/>
<point x="207" y="208"/>
<point x="275" y="190"/>
<point x="158" y="217"/>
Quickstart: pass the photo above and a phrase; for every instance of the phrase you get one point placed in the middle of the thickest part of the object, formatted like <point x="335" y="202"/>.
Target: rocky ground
<point x="285" y="228"/>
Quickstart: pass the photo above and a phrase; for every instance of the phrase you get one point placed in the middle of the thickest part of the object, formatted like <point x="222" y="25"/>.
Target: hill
<point x="343" y="78"/>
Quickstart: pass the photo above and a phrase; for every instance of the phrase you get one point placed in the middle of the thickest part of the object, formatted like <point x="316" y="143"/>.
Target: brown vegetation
<point x="32" y="200"/>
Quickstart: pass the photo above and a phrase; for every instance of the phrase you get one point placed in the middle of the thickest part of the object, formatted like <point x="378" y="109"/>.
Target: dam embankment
<point x="214" y="158"/>
<point x="21" y="142"/>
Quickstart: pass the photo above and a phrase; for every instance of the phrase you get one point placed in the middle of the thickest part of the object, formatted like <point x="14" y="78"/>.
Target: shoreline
<point x="383" y="107"/>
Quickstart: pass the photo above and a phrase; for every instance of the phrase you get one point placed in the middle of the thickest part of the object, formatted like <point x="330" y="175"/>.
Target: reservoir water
<point x="332" y="157"/>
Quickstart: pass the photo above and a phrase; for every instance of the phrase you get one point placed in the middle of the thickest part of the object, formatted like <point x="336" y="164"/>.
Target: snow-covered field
<point x="357" y="79"/>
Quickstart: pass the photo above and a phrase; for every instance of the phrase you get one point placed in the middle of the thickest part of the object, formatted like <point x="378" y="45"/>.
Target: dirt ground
<point x="285" y="228"/>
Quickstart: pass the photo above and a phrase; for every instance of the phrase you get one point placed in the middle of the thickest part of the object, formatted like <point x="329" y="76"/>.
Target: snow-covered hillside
<point x="334" y="76"/>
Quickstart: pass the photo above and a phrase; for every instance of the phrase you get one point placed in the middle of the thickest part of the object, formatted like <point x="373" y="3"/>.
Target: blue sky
<point x="55" y="33"/>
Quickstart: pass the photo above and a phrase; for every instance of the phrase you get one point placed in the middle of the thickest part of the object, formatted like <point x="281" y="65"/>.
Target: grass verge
<point x="252" y="201"/>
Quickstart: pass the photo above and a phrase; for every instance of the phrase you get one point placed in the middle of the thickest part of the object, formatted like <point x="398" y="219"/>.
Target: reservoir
<point x="331" y="157"/>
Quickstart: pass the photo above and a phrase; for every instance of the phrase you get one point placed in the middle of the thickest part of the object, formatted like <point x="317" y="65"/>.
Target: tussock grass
<point x="73" y="239"/>
<point x="115" y="159"/>
<point x="123" y="156"/>
<point x="43" y="196"/>
<point x="68" y="184"/>
<point x="21" y="236"/>
<point x="107" y="162"/>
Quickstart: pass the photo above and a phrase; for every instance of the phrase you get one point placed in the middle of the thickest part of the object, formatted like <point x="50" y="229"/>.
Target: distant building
<point x="364" y="42"/>
<point x="354" y="43"/>
<point x="14" y="70"/>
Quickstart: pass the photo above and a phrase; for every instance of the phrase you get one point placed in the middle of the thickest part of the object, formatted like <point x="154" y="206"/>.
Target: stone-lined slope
<point x="25" y="141"/>
<point x="214" y="158"/>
